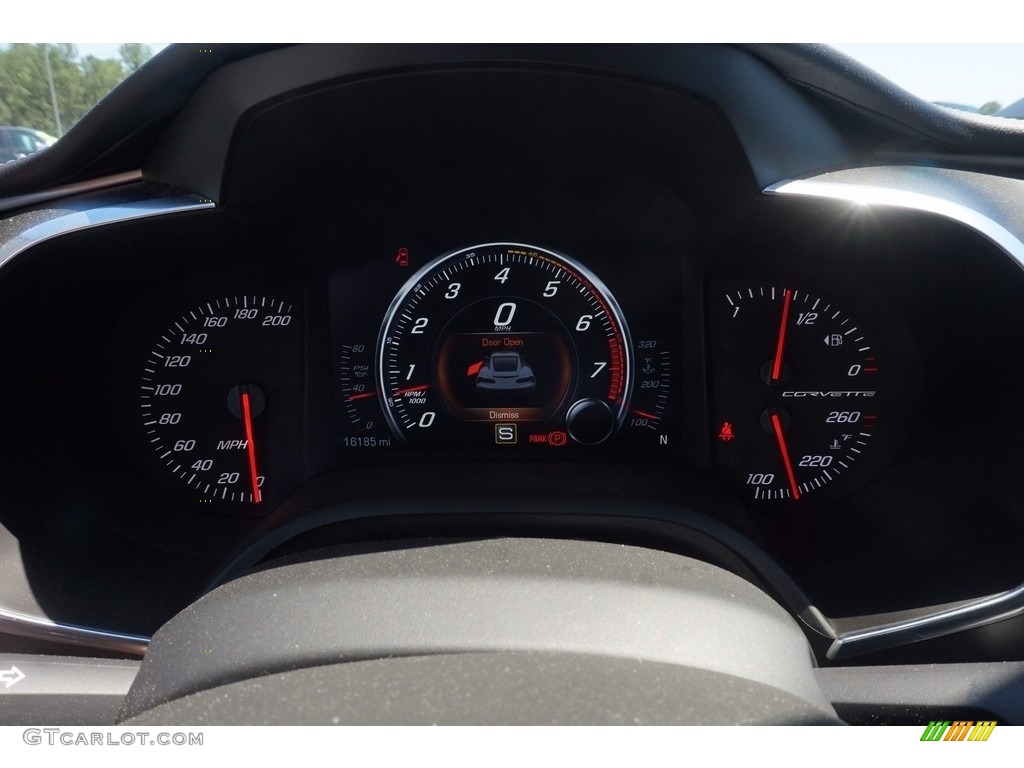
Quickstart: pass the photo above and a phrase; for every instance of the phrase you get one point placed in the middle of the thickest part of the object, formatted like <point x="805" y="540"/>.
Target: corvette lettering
<point x="828" y="393"/>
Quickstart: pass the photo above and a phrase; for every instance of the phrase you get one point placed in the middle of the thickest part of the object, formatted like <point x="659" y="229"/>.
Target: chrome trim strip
<point x="81" y="187"/>
<point x="66" y="222"/>
<point x="23" y="625"/>
<point x="862" y="194"/>
<point x="1005" y="605"/>
<point x="987" y="610"/>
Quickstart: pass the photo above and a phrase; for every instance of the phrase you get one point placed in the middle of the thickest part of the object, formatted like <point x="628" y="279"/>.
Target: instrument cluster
<point x="500" y="351"/>
<point x="513" y="319"/>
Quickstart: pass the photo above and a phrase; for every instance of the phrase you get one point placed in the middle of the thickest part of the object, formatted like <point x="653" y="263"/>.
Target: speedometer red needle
<point x="251" y="446"/>
<point x="781" y="439"/>
<point x="787" y="297"/>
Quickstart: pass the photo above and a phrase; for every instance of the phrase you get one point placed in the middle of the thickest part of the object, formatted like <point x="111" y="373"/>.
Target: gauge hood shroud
<point x="491" y="596"/>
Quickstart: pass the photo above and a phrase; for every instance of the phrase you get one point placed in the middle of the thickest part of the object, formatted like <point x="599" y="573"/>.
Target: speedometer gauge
<point x="217" y="400"/>
<point x="504" y="344"/>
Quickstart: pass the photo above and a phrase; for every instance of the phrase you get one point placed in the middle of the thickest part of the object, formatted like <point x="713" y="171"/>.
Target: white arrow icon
<point x="11" y="676"/>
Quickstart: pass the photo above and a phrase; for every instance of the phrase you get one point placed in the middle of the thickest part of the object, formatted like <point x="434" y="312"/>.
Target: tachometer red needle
<point x="777" y="426"/>
<point x="247" y="418"/>
<point x="787" y="297"/>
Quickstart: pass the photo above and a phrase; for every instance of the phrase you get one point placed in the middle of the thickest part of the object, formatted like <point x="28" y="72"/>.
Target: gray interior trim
<point x="487" y="596"/>
<point x="717" y="542"/>
<point x="872" y="695"/>
<point x="65" y="690"/>
<point x="492" y="689"/>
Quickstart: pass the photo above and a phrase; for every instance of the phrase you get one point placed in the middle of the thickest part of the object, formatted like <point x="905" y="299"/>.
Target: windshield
<point x="974" y="77"/>
<point x="45" y="88"/>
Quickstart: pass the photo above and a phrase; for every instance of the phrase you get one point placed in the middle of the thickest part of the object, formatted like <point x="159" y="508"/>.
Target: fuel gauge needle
<point x="251" y="446"/>
<point x="780" y="346"/>
<point x="781" y="439"/>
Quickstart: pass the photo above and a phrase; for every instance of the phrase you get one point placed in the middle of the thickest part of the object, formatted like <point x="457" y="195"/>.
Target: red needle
<point x="646" y="415"/>
<point x="247" y="418"/>
<point x="363" y="396"/>
<point x="787" y="297"/>
<point x="777" y="426"/>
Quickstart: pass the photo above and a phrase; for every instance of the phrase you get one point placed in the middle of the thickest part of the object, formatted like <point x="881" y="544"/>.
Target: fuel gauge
<point x="800" y="391"/>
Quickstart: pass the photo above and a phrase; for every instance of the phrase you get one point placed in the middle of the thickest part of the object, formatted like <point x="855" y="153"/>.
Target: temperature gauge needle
<point x="781" y="439"/>
<point x="251" y="445"/>
<point x="780" y="346"/>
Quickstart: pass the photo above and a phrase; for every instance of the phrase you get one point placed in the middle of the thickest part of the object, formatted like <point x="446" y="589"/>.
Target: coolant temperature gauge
<point x="651" y="392"/>
<point x="799" y="390"/>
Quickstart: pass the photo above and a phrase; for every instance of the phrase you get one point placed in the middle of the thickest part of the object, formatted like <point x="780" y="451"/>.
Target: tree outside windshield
<point x="47" y="87"/>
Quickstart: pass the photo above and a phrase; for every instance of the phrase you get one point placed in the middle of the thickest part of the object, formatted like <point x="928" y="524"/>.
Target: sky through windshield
<point x="964" y="73"/>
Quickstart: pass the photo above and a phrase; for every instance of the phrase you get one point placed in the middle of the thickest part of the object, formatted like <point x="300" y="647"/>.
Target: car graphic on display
<point x="505" y="372"/>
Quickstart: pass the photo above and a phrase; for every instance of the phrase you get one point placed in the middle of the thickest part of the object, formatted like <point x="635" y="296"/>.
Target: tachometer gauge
<point x="505" y="344"/>
<point x="215" y="394"/>
<point x="799" y="391"/>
